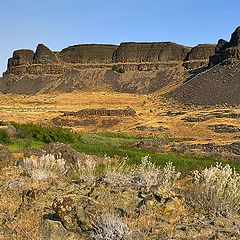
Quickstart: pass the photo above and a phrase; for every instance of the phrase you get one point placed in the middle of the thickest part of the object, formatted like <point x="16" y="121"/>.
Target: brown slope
<point x="97" y="79"/>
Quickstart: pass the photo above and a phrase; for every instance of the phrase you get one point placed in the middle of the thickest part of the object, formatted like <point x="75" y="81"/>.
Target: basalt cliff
<point x="200" y="75"/>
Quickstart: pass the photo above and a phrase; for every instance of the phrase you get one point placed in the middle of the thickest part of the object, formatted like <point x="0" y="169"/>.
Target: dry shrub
<point x="45" y="167"/>
<point x="87" y="171"/>
<point x="216" y="190"/>
<point x="108" y="227"/>
<point x="146" y="175"/>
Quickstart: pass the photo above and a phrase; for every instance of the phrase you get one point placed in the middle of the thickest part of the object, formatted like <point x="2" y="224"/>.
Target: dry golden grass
<point x="42" y="108"/>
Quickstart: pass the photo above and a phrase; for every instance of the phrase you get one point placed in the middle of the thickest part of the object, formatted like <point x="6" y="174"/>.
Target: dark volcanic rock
<point x="219" y="83"/>
<point x="199" y="56"/>
<point x="88" y="53"/>
<point x="58" y="121"/>
<point x="235" y="39"/>
<point x="150" y="52"/>
<point x="44" y="55"/>
<point x="201" y="52"/>
<point x="224" y="128"/>
<point x="217" y="86"/>
<point x="222" y="44"/>
<point x="227" y="52"/>
<point x="201" y="117"/>
<point x="103" y="112"/>
<point x="21" y="57"/>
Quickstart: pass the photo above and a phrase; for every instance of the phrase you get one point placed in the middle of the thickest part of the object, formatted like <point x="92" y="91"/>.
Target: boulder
<point x="222" y="44"/>
<point x="60" y="151"/>
<point x="88" y="53"/>
<point x="150" y="52"/>
<point x="44" y="55"/>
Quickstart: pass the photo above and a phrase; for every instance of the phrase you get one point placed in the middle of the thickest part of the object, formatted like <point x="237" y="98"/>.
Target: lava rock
<point x="88" y="53"/>
<point x="150" y="52"/>
<point x="44" y="55"/>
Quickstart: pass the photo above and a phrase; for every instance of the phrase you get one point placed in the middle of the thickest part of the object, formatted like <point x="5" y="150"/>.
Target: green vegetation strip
<point x="119" y="145"/>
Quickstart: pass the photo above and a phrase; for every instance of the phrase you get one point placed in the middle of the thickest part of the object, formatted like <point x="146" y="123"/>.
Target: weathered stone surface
<point x="199" y="56"/>
<point x="103" y="112"/>
<point x="190" y="65"/>
<point x="44" y="55"/>
<point x="224" y="128"/>
<point x="150" y="52"/>
<point x="59" y="150"/>
<point x="235" y="39"/>
<point x="221" y="44"/>
<point x="54" y="230"/>
<point x="201" y="52"/>
<point x="21" y="57"/>
<point x="227" y="52"/>
<point x="88" y="53"/>
<point x="37" y="69"/>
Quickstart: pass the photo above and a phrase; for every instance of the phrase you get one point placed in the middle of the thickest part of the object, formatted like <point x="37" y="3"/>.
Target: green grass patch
<point x="118" y="145"/>
<point x="183" y="163"/>
<point x="20" y="144"/>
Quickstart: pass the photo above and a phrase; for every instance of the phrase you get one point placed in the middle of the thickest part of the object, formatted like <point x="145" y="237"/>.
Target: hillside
<point x="218" y="84"/>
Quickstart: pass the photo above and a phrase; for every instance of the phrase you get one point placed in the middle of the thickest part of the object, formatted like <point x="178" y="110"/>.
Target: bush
<point x="118" y="69"/>
<point x="45" y="134"/>
<point x="109" y="227"/>
<point x="216" y="190"/>
<point x="44" y="167"/>
<point x="4" y="137"/>
<point x="145" y="175"/>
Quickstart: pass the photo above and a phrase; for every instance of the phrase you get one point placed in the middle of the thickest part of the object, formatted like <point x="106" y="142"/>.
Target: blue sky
<point x="60" y="23"/>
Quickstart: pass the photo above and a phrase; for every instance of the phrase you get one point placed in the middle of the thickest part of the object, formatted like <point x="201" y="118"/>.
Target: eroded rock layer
<point x="88" y="53"/>
<point x="150" y="52"/>
<point x="131" y="67"/>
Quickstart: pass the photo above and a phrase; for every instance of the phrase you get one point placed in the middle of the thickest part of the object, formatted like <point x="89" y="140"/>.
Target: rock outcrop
<point x="219" y="83"/>
<point x="103" y="112"/>
<point x="88" y="53"/>
<point x="44" y="55"/>
<point x="150" y="52"/>
<point x="199" y="56"/>
<point x="201" y="52"/>
<point x="21" y="57"/>
<point x="227" y="52"/>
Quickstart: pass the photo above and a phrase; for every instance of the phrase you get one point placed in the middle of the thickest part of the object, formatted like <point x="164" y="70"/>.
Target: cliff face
<point x="131" y="56"/>
<point x="199" y="56"/>
<point x="150" y="52"/>
<point x="21" y="57"/>
<point x="89" y="53"/>
<point x="44" y="55"/>
<point x="227" y="52"/>
<point x="201" y="52"/>
<point x="145" y="67"/>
